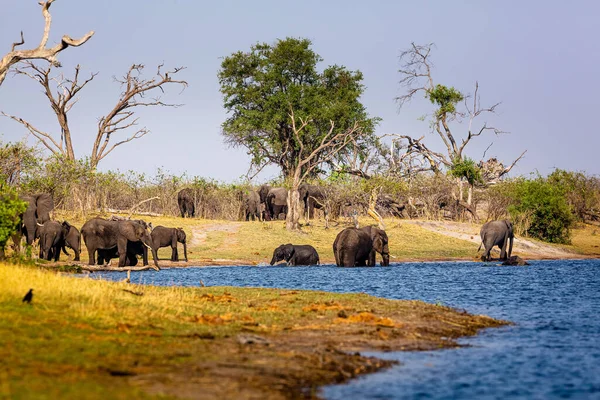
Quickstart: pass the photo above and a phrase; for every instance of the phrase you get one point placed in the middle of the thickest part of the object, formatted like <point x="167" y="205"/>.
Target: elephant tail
<point x="481" y="244"/>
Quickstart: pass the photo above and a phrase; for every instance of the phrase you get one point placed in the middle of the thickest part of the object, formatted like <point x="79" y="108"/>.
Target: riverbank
<point x="213" y="242"/>
<point x="83" y="338"/>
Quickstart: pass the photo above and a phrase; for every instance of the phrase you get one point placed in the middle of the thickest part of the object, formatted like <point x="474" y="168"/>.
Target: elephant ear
<point x="44" y="205"/>
<point x="289" y="252"/>
<point x="378" y="243"/>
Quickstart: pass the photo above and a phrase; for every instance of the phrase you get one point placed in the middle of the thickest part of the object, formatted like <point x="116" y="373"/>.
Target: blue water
<point x="552" y="352"/>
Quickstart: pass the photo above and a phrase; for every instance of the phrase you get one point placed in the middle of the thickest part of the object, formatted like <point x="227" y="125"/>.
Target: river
<point x="552" y="351"/>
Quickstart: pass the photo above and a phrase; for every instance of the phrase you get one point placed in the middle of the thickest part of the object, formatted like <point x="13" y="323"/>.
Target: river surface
<point x="552" y="352"/>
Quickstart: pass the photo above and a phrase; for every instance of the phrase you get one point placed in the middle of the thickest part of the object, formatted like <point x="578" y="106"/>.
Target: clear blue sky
<point x="539" y="58"/>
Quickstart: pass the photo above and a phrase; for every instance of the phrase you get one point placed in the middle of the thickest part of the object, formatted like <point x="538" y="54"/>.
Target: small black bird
<point x="28" y="297"/>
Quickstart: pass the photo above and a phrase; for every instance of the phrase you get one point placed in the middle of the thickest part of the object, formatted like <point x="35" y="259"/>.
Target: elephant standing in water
<point x="102" y="234"/>
<point x="497" y="233"/>
<point x="277" y="202"/>
<point x="185" y="200"/>
<point x="164" y="237"/>
<point x="296" y="254"/>
<point x="357" y="247"/>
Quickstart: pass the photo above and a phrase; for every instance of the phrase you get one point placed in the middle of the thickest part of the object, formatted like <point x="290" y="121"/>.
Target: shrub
<point x="540" y="210"/>
<point x="11" y="207"/>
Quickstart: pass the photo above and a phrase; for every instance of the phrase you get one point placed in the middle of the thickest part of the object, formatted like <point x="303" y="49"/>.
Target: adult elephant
<point x="277" y="202"/>
<point x="497" y="233"/>
<point x="185" y="200"/>
<point x="99" y="233"/>
<point x="312" y="196"/>
<point x="357" y="247"/>
<point x="51" y="238"/>
<point x="37" y="213"/>
<point x="296" y="254"/>
<point x="164" y="237"/>
<point x="251" y="205"/>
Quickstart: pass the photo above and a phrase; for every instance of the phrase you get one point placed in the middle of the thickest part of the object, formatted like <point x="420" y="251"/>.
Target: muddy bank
<point x="294" y="361"/>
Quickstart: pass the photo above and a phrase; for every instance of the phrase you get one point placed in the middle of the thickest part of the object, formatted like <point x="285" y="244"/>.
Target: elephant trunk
<point x="385" y="256"/>
<point x="148" y="243"/>
<point x="185" y="251"/>
<point x="273" y="260"/>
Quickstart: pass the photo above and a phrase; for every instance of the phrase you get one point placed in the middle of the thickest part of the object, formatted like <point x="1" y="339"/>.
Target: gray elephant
<point x="251" y="205"/>
<point x="497" y="233"/>
<point x="185" y="200"/>
<point x="51" y="236"/>
<point x="72" y="239"/>
<point x="312" y="196"/>
<point x="99" y="233"/>
<point x="163" y="237"/>
<point x="277" y="202"/>
<point x="296" y="254"/>
<point x="134" y="249"/>
<point x="357" y="247"/>
<point x="37" y="212"/>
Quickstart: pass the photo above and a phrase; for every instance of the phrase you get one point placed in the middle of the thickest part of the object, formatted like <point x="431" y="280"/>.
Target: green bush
<point x="540" y="209"/>
<point x="11" y="207"/>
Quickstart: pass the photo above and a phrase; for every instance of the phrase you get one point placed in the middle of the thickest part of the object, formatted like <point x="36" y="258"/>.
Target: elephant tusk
<point x="147" y="246"/>
<point x="38" y="224"/>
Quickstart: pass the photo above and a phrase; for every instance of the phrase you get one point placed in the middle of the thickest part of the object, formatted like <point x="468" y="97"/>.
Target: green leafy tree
<point x="540" y="209"/>
<point x="11" y="207"/>
<point x="286" y="112"/>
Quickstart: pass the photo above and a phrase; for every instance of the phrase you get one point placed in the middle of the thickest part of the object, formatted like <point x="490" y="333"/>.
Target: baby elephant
<point x="163" y="237"/>
<point x="296" y="254"/>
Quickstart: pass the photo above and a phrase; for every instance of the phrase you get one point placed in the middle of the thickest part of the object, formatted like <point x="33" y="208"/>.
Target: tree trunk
<point x="294" y="212"/>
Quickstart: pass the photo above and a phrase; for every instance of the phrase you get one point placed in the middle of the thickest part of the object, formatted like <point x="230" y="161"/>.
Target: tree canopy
<point x="264" y="87"/>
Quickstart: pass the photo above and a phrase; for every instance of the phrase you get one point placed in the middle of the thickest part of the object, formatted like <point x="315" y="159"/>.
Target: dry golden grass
<point x="254" y="242"/>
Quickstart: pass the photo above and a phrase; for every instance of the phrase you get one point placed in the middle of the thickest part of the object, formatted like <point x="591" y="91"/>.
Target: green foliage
<point x="466" y="169"/>
<point x="582" y="192"/>
<point x="11" y="207"/>
<point x="261" y="87"/>
<point x="446" y="98"/>
<point x="540" y="209"/>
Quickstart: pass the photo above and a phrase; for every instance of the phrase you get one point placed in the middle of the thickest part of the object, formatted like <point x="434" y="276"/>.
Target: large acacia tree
<point x="286" y="112"/>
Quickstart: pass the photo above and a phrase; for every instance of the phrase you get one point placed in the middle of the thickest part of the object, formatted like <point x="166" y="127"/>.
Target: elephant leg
<point x="56" y="251"/>
<point x="122" y="249"/>
<point x="371" y="261"/>
<point x="92" y="255"/>
<point x="348" y="258"/>
<point x="144" y="256"/>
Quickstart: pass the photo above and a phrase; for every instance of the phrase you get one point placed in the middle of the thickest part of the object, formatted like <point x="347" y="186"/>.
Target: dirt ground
<point x="523" y="247"/>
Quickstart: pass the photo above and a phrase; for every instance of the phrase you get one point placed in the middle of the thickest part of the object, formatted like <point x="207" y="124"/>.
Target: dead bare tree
<point x="62" y="93"/>
<point x="416" y="77"/>
<point x="41" y="52"/>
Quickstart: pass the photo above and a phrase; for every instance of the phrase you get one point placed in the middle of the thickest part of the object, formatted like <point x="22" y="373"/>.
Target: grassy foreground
<point x="83" y="338"/>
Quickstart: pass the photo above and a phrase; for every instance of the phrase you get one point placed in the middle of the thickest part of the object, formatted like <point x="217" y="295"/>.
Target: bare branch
<point x="41" y="52"/>
<point x="121" y="117"/>
<point x="15" y="44"/>
<point x="43" y="137"/>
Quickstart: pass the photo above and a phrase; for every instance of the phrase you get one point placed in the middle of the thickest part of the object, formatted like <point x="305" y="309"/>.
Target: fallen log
<point x="96" y="268"/>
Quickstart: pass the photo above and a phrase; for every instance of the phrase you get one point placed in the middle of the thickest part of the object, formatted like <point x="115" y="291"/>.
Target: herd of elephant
<point x="127" y="239"/>
<point x="104" y="239"/>
<point x="267" y="203"/>
<point x="354" y="247"/>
